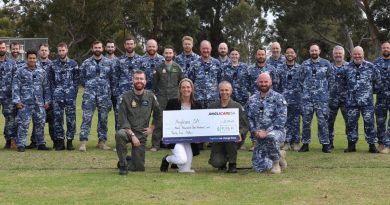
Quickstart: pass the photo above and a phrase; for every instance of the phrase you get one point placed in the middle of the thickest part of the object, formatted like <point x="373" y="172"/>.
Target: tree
<point x="244" y="28"/>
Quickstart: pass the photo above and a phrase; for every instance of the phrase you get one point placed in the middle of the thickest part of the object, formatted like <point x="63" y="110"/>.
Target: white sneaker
<point x="186" y="171"/>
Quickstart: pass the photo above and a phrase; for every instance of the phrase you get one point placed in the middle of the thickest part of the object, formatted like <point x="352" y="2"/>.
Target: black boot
<point x="32" y="145"/>
<point x="69" y="145"/>
<point x="60" y="145"/>
<point x="43" y="147"/>
<point x="164" y="164"/>
<point x="222" y="168"/>
<point x="123" y="168"/>
<point x="7" y="144"/>
<point x="351" y="147"/>
<point x="373" y="149"/>
<point x="326" y="148"/>
<point x="232" y="168"/>
<point x="304" y="148"/>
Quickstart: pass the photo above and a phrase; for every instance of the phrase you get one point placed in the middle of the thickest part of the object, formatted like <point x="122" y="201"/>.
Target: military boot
<point x="276" y="167"/>
<point x="295" y="147"/>
<point x="326" y="148"/>
<point x="102" y="145"/>
<point x="43" y="147"/>
<point x="282" y="160"/>
<point x="32" y="145"/>
<point x="7" y="144"/>
<point x="123" y="168"/>
<point x="60" y="145"/>
<point x="351" y="147"/>
<point x="83" y="146"/>
<point x="385" y="150"/>
<point x="69" y="145"/>
<point x="373" y="149"/>
<point x="232" y="168"/>
<point x="304" y="148"/>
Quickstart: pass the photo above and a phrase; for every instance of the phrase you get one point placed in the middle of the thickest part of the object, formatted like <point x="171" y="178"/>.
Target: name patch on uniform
<point x="145" y="103"/>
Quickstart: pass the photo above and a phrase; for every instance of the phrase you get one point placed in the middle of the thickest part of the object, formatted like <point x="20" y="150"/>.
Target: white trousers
<point x="182" y="157"/>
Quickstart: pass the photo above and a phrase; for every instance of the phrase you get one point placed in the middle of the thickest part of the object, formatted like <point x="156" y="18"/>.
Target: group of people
<point x="271" y="95"/>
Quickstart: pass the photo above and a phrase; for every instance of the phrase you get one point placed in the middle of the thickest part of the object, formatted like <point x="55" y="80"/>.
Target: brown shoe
<point x="13" y="144"/>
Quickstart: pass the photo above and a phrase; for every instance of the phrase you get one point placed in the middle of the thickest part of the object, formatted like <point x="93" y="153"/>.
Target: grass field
<point x="63" y="177"/>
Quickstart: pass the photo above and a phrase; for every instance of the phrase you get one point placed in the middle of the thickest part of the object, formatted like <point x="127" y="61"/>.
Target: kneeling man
<point x="267" y="115"/>
<point x="135" y="110"/>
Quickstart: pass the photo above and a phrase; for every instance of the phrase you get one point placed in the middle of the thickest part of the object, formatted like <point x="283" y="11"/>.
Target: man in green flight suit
<point x="135" y="111"/>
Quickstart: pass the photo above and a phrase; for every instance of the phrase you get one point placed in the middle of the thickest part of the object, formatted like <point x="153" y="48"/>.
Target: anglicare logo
<point x="222" y="113"/>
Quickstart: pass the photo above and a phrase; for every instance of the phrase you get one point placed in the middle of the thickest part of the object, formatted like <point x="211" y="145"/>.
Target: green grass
<point x="63" y="177"/>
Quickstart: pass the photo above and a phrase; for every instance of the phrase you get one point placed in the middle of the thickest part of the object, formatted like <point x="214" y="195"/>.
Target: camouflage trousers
<point x="69" y="106"/>
<point x="89" y="105"/>
<point x="382" y="108"/>
<point x="38" y="115"/>
<point x="50" y="121"/>
<point x="293" y="123"/>
<point x="322" y="112"/>
<point x="267" y="150"/>
<point x="137" y="161"/>
<point x="333" y="110"/>
<point x="9" y="113"/>
<point x="368" y="119"/>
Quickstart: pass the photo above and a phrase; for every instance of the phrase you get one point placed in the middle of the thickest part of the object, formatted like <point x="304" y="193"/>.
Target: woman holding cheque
<point x="182" y="152"/>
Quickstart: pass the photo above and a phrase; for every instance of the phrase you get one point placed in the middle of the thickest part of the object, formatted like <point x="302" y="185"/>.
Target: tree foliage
<point x="240" y="23"/>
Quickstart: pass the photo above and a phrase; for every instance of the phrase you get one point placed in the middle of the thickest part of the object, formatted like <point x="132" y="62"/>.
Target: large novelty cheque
<point x="206" y="125"/>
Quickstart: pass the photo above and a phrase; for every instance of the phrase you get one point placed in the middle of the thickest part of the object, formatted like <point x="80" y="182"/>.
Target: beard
<point x="139" y="86"/>
<point x="386" y="54"/>
<point x="314" y="56"/>
<point x="265" y="89"/>
<point x="2" y="53"/>
<point x="129" y="50"/>
<point x="261" y="60"/>
<point x="151" y="52"/>
<point x="97" y="53"/>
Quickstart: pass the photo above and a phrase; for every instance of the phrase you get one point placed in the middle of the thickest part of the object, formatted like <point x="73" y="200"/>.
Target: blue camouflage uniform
<point x="238" y="77"/>
<point x="276" y="63"/>
<point x="31" y="88"/>
<point x="361" y="81"/>
<point x="205" y="76"/>
<point x="98" y="82"/>
<point x="382" y="106"/>
<point x="292" y="91"/>
<point x="20" y="63"/>
<point x="315" y="77"/>
<point x="224" y="63"/>
<point x="49" y="112"/>
<point x="337" y="98"/>
<point x="7" y="72"/>
<point x="64" y="82"/>
<point x="185" y="61"/>
<point x="254" y="72"/>
<point x="267" y="113"/>
<point x="123" y="77"/>
<point x="148" y="65"/>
